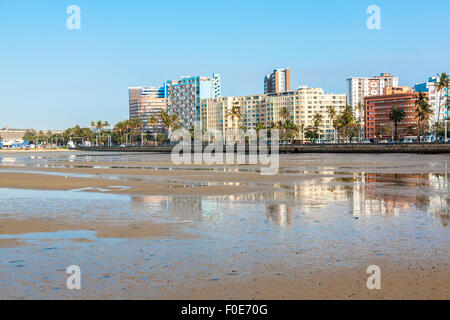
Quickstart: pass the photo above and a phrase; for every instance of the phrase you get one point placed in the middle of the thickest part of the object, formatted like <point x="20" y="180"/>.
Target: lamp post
<point x="446" y="116"/>
<point x="303" y="133"/>
<point x="445" y="129"/>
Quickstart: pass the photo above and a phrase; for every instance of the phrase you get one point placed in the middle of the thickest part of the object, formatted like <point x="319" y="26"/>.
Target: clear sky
<point x="53" y="78"/>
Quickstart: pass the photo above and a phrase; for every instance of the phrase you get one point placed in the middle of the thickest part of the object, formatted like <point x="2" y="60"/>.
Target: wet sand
<point x="142" y="228"/>
<point x="103" y="229"/>
<point x="37" y="181"/>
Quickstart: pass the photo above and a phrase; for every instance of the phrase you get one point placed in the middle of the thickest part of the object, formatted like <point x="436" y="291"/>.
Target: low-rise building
<point x="378" y="108"/>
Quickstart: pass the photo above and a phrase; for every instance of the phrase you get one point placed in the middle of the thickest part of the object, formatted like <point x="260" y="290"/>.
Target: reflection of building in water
<point x="440" y="198"/>
<point x="280" y="213"/>
<point x="319" y="193"/>
<point x="158" y="203"/>
<point x="179" y="207"/>
<point x="185" y="207"/>
<point x="195" y="208"/>
<point x="370" y="193"/>
<point x="312" y="193"/>
<point x="372" y="198"/>
<point x="389" y="194"/>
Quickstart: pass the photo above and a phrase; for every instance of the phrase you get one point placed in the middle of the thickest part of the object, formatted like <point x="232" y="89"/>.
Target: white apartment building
<point x="360" y="87"/>
<point x="303" y="104"/>
<point x="434" y="97"/>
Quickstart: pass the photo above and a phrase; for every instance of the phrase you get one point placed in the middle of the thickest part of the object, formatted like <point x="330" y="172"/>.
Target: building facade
<point x="434" y="97"/>
<point x="184" y="97"/>
<point x="360" y="87"/>
<point x="145" y="102"/>
<point x="378" y="123"/>
<point x="278" y="81"/>
<point x="265" y="109"/>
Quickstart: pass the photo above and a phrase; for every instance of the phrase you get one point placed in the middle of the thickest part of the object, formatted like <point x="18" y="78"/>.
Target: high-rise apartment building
<point x="361" y="87"/>
<point x="434" y="97"/>
<point x="278" y="81"/>
<point x="302" y="104"/>
<point x="184" y="96"/>
<point x="145" y="102"/>
<point x="378" y="123"/>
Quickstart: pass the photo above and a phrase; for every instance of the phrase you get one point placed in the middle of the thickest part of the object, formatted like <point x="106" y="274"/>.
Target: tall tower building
<point x="361" y="87"/>
<point x="184" y="96"/>
<point x="278" y="81"/>
<point x="145" y="102"/>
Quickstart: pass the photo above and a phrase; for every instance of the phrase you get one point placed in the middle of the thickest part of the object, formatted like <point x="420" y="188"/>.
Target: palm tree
<point x="441" y="84"/>
<point x="423" y="114"/>
<point x="152" y="122"/>
<point x="285" y="114"/>
<point x="175" y="120"/>
<point x="127" y="126"/>
<point x="168" y="121"/>
<point x="136" y="128"/>
<point x="100" y="125"/>
<point x="396" y="114"/>
<point x="235" y="114"/>
<point x="120" y="128"/>
<point x="345" y="120"/>
<point x="292" y="130"/>
<point x="259" y="127"/>
<point x="317" y="122"/>
<point x="360" y="109"/>
<point x="332" y="114"/>
<point x="302" y="129"/>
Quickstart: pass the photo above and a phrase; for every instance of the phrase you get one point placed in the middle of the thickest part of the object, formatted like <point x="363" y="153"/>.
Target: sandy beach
<point x="142" y="228"/>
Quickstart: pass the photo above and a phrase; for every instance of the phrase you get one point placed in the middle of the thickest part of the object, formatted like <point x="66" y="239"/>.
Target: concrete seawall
<point x="425" y="148"/>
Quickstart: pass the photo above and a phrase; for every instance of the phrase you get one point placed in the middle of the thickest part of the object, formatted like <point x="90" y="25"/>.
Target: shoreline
<point x="379" y="148"/>
<point x="33" y="150"/>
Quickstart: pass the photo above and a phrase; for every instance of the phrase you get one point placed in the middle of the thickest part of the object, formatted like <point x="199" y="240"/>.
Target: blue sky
<point x="53" y="78"/>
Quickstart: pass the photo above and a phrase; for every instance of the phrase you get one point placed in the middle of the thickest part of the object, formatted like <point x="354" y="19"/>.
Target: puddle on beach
<point x="334" y="219"/>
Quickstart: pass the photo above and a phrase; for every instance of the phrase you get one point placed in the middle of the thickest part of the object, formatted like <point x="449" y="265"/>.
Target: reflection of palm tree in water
<point x="280" y="213"/>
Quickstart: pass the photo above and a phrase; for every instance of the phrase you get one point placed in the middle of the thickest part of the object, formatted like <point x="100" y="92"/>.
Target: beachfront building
<point x="277" y="81"/>
<point x="145" y="102"/>
<point x="14" y="137"/>
<point x="265" y="109"/>
<point x="434" y="97"/>
<point x="360" y="87"/>
<point x="378" y="123"/>
<point x="10" y="134"/>
<point x="184" y="96"/>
